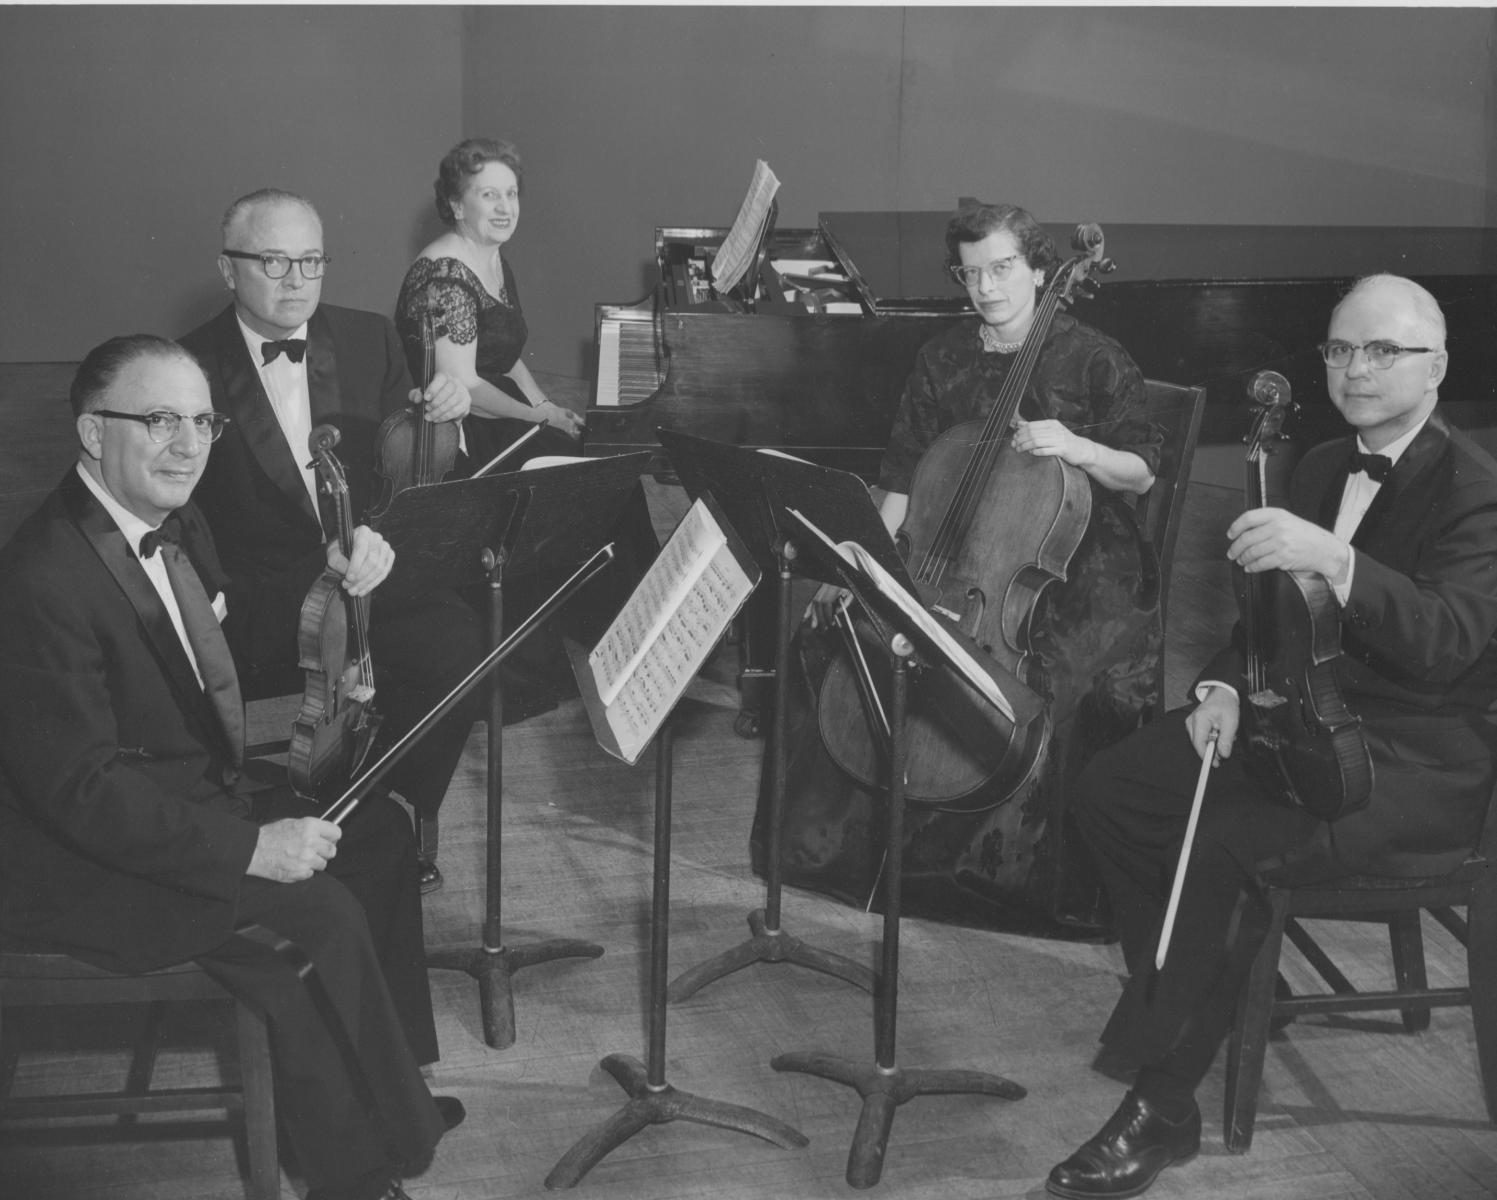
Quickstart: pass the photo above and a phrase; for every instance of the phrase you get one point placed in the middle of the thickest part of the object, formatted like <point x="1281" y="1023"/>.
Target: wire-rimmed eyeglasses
<point x="277" y="266"/>
<point x="1379" y="355"/>
<point x="163" y="426"/>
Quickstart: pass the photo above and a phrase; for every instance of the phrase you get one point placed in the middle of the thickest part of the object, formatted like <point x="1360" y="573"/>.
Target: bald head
<point x="243" y="212"/>
<point x="1420" y="309"/>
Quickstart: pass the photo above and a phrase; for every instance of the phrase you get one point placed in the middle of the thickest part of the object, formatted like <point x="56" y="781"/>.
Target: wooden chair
<point x="1177" y="410"/>
<point x="39" y="978"/>
<point x="1398" y="904"/>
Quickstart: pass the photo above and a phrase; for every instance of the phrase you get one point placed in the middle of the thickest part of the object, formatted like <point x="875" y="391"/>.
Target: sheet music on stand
<point x="737" y="252"/>
<point x="665" y="632"/>
<point x="886" y="587"/>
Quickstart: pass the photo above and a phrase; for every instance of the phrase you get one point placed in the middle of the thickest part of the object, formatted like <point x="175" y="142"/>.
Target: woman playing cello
<point x="1094" y="637"/>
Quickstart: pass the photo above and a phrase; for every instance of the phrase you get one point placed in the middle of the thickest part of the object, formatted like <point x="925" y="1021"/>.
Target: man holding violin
<point x="1400" y="522"/>
<point x="279" y="362"/>
<point x="132" y="833"/>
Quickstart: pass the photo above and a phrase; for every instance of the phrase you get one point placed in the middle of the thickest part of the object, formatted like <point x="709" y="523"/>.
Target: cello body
<point x="987" y="528"/>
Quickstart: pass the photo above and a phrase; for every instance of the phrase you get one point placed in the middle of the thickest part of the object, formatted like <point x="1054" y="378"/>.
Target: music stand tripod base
<point x="883" y="1085"/>
<point x="652" y="1101"/>
<point x="766" y="945"/>
<point x="494" y="970"/>
<point x="656" y="1106"/>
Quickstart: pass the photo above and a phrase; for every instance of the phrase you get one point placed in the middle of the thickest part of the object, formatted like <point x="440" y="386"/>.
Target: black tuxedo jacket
<point x="1419" y="647"/>
<point x="123" y="833"/>
<point x="252" y="493"/>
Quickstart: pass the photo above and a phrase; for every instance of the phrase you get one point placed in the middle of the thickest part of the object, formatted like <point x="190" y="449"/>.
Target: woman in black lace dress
<point x="481" y="329"/>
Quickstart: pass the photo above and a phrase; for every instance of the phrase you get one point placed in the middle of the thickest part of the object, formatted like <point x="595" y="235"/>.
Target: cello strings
<point x="957" y="519"/>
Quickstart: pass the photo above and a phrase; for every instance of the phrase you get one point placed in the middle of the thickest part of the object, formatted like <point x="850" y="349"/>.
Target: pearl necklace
<point x="992" y="344"/>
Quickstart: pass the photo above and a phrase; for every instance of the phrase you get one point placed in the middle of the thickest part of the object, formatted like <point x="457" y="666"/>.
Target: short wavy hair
<point x="102" y="365"/>
<point x="974" y="221"/>
<point x="466" y="159"/>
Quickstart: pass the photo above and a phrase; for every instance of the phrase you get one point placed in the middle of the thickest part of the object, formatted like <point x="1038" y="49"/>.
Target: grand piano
<point x="811" y="355"/>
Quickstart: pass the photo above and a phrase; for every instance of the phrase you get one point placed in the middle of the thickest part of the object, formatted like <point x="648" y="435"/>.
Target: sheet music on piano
<point x="736" y="254"/>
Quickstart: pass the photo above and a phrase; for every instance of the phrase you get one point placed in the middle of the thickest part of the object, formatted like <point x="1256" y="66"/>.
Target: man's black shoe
<point x="1126" y="1156"/>
<point x="430" y="875"/>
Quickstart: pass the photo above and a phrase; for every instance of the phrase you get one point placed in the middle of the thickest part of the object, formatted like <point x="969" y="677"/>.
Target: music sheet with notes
<point x="736" y="254"/>
<point x="664" y="634"/>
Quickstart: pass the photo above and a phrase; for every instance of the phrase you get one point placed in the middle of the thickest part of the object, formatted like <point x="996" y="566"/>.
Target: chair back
<point x="1177" y="410"/>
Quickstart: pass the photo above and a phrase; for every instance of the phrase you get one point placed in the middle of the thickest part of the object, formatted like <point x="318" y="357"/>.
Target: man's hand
<point x="292" y="849"/>
<point x="1051" y="439"/>
<point x="1216" y="715"/>
<point x="365" y="569"/>
<point x="1271" y="539"/>
<point x="445" y="399"/>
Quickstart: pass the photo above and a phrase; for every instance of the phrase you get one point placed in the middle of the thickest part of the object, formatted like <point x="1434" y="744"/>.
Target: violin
<point x="1299" y="732"/>
<point x="987" y="529"/>
<point x="337" y="722"/>
<point x="411" y="451"/>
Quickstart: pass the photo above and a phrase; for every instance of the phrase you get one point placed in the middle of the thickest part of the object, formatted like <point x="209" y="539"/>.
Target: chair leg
<point x="1248" y="1042"/>
<point x="259" y="1103"/>
<point x="1481" y="966"/>
<point x="1406" y="936"/>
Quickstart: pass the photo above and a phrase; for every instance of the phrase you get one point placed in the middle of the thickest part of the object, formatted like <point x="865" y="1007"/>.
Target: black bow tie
<point x="1377" y="467"/>
<point x="170" y="532"/>
<point x="292" y="348"/>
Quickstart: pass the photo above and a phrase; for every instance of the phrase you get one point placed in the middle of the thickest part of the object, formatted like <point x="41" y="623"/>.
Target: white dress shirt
<point x="155" y="567"/>
<point x="286" y="384"/>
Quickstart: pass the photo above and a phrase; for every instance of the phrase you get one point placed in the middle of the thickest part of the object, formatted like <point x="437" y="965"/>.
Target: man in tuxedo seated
<point x="131" y="835"/>
<point x="280" y="363"/>
<point x="1399" y="521"/>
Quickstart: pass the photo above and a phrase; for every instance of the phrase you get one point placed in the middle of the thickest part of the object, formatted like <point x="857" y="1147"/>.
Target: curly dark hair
<point x="976" y="220"/>
<point x="468" y="158"/>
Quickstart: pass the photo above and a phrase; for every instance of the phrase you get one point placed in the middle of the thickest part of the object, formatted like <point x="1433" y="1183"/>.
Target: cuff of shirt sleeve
<point x="1206" y="685"/>
<point x="1343" y="589"/>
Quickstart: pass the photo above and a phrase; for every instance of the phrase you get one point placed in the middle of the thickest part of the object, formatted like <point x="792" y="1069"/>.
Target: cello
<point x="337" y="722"/>
<point x="1299" y="732"/>
<point x="411" y="451"/>
<point x="987" y="529"/>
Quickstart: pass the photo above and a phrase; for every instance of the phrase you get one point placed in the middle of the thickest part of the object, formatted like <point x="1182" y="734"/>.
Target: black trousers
<point x="348" y="1080"/>
<point x="422" y="646"/>
<point x="1132" y="805"/>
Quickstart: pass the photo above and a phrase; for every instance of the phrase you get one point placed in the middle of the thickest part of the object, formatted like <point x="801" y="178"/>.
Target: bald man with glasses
<point x="1399" y="521"/>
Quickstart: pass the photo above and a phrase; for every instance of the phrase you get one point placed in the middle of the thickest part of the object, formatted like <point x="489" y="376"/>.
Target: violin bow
<point x="1207" y="760"/>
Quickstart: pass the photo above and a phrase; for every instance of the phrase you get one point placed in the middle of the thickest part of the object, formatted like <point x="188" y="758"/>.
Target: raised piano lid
<point x="896" y="259"/>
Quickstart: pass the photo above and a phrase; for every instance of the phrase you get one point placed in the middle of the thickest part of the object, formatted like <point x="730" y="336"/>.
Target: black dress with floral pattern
<point x="467" y="312"/>
<point x="1018" y="865"/>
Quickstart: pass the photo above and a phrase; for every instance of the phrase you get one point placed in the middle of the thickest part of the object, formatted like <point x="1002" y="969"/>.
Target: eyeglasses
<point x="999" y="270"/>
<point x="163" y="426"/>
<point x="1379" y="355"/>
<point x="277" y="266"/>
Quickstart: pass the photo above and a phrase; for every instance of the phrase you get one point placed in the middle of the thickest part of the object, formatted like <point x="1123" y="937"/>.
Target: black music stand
<point x="453" y="535"/>
<point x="652" y="1101"/>
<point x="884" y="1085"/>
<point x="753" y="489"/>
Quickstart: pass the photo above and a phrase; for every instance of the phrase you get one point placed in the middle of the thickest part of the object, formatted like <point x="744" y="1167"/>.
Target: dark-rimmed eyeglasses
<point x="277" y="266"/>
<point x="998" y="270"/>
<point x="1379" y="355"/>
<point x="163" y="426"/>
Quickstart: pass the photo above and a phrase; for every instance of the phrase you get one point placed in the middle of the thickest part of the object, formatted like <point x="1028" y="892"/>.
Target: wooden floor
<point x="1350" y="1108"/>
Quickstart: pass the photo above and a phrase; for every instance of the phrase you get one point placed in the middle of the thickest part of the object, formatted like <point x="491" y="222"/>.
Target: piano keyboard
<point x="627" y="370"/>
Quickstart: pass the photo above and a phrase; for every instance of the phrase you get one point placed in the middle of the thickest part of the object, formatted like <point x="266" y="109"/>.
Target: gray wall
<point x="125" y="131"/>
